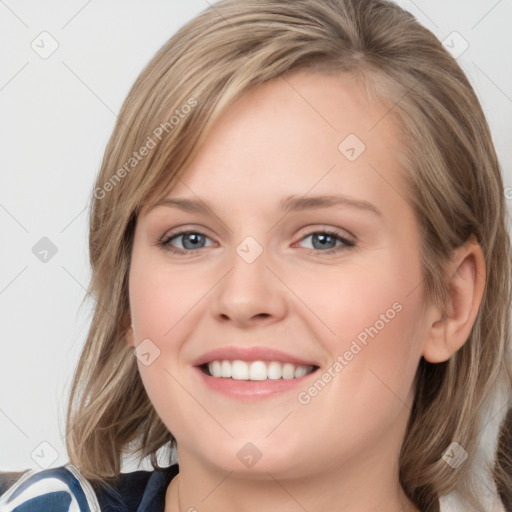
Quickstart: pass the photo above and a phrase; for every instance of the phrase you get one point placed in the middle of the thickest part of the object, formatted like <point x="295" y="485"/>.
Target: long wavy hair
<point x="454" y="184"/>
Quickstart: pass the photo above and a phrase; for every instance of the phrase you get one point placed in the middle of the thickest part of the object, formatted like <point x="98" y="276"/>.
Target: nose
<point x="250" y="293"/>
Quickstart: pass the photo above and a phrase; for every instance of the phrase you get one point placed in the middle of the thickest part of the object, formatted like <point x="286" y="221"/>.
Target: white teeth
<point x="274" y="370"/>
<point x="288" y="371"/>
<point x="239" y="370"/>
<point x="226" y="369"/>
<point x="257" y="370"/>
<point x="217" y="371"/>
<point x="300" y="371"/>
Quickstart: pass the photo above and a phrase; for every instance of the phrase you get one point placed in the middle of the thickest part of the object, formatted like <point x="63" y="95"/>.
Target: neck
<point x="367" y="486"/>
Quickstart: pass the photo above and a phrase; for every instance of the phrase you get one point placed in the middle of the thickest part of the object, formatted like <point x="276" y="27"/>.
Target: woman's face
<point x="301" y="254"/>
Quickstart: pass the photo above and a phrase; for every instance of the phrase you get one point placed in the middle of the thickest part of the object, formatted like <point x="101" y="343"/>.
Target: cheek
<point x="160" y="299"/>
<point x="162" y="306"/>
<point x="371" y="310"/>
<point x="368" y="387"/>
<point x="375" y="311"/>
<point x="378" y="297"/>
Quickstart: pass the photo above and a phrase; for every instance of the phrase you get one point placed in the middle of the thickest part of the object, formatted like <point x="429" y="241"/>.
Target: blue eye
<point x="324" y="242"/>
<point x="191" y="240"/>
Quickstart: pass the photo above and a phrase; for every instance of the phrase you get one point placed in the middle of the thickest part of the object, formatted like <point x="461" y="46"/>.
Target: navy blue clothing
<point x="64" y="489"/>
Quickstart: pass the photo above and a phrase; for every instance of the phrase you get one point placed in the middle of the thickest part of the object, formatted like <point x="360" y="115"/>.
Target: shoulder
<point x="57" y="489"/>
<point x="64" y="489"/>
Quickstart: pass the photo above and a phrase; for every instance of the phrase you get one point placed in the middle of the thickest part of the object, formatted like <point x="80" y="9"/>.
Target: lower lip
<point x="251" y="389"/>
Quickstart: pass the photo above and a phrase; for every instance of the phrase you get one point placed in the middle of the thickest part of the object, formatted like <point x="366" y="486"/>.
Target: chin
<point x="256" y="459"/>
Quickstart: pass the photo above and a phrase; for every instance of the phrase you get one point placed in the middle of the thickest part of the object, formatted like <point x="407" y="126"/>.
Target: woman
<point x="286" y="372"/>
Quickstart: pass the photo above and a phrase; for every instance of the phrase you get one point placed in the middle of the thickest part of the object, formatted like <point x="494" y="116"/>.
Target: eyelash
<point x="347" y="244"/>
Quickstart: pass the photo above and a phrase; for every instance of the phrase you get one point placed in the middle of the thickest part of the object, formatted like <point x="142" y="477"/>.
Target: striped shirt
<point x="64" y="489"/>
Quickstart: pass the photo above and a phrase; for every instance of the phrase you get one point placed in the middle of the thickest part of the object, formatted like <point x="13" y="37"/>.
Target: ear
<point x="449" y="329"/>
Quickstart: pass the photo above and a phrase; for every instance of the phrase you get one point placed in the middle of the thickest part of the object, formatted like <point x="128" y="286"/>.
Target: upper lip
<point x="233" y="353"/>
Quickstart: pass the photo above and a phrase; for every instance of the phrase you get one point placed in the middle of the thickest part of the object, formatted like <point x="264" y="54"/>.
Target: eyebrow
<point x="289" y="204"/>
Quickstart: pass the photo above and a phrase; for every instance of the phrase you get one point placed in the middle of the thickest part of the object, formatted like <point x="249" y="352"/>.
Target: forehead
<point x="296" y="133"/>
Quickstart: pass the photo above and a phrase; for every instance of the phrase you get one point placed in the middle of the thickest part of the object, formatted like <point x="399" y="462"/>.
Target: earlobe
<point x="450" y="329"/>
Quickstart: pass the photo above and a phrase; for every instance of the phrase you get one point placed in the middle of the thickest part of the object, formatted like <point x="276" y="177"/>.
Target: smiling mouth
<point x="256" y="370"/>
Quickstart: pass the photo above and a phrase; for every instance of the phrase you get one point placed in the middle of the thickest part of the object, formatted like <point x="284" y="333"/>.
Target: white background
<point x="56" y="115"/>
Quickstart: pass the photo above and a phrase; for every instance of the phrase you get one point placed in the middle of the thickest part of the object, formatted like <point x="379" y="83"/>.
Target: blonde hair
<point x="454" y="185"/>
